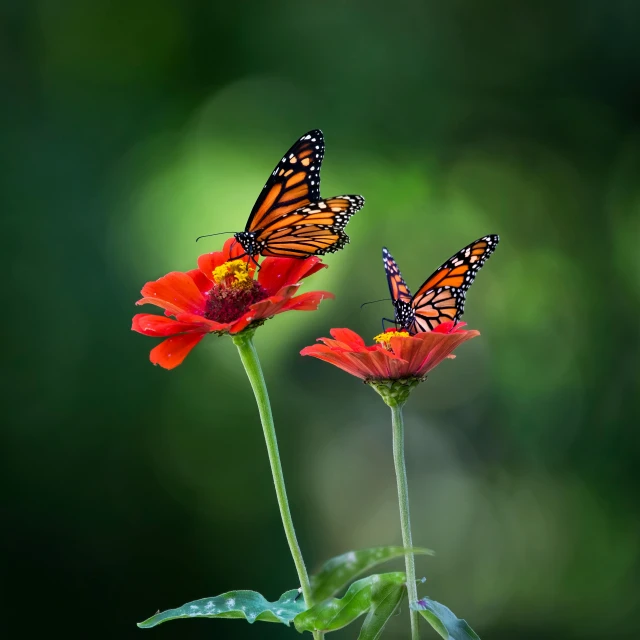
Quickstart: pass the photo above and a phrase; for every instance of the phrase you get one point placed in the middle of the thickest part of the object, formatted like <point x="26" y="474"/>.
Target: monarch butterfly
<point x="289" y="218"/>
<point x="441" y="297"/>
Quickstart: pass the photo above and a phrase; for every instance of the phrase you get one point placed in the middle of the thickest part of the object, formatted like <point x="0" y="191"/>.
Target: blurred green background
<point x="131" y="127"/>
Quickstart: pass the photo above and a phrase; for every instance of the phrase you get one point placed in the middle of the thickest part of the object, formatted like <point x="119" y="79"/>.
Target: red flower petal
<point x="276" y="273"/>
<point x="287" y="292"/>
<point x="315" y="267"/>
<point x="262" y="310"/>
<point x="201" y="281"/>
<point x="425" y="351"/>
<point x="332" y="357"/>
<point x="375" y="364"/>
<point x="210" y="325"/>
<point x="380" y="363"/>
<point x="156" y="326"/>
<point x="174" y="292"/>
<point x="274" y="305"/>
<point x="170" y="353"/>
<point x="347" y="336"/>
<point x="309" y="301"/>
<point x="208" y="262"/>
<point x="450" y="327"/>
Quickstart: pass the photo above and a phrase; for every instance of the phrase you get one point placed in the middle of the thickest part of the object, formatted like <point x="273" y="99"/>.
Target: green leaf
<point x="337" y="573"/>
<point x="333" y="613"/>
<point x="443" y="620"/>
<point x="235" y="604"/>
<point x="385" y="600"/>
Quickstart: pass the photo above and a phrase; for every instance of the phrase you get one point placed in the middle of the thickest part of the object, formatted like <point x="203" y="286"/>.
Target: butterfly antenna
<point x="215" y="234"/>
<point x="374" y="301"/>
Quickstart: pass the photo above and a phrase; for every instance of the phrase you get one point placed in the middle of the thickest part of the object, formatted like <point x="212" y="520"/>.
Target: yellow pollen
<point x="385" y="338"/>
<point x="234" y="273"/>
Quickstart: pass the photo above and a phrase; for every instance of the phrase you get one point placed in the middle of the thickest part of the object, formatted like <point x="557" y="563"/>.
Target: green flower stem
<point x="249" y="357"/>
<point x="403" y="499"/>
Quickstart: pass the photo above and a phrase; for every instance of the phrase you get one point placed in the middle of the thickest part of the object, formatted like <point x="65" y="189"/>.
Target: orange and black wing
<point x="441" y="298"/>
<point x="294" y="183"/>
<point x="315" y="229"/>
<point x="302" y="242"/>
<point x="397" y="286"/>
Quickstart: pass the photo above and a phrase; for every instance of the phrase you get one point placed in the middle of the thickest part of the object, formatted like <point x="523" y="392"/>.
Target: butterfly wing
<point x="397" y="286"/>
<point x="294" y="183"/>
<point x="441" y="298"/>
<point x="400" y="294"/>
<point x="312" y="230"/>
<point x="303" y="242"/>
<point x="334" y="212"/>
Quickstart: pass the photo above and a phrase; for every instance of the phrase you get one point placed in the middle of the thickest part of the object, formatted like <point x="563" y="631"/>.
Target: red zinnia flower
<point x="397" y="361"/>
<point x="222" y="296"/>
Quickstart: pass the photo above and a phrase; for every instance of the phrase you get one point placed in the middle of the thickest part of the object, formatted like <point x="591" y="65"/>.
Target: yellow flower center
<point x="385" y="338"/>
<point x="234" y="274"/>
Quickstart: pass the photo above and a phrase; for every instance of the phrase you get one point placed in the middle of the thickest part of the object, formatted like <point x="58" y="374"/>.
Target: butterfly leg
<point x="242" y="255"/>
<point x="393" y="322"/>
<point x="258" y="267"/>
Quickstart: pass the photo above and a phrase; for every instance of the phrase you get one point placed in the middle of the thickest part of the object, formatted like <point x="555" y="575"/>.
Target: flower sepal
<point x="395" y="392"/>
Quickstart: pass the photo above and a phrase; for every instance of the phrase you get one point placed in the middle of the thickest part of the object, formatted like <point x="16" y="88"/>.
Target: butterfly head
<point x="249" y="242"/>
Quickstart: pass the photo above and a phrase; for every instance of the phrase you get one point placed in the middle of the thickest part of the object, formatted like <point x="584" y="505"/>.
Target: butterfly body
<point x="289" y="218"/>
<point x="403" y="313"/>
<point x="441" y="297"/>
